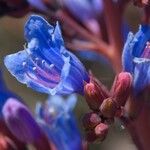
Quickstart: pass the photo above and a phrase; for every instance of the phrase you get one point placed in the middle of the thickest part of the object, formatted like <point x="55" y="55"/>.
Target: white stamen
<point x="43" y="61"/>
<point x="122" y="127"/>
<point x="51" y="66"/>
<point x="52" y="111"/>
<point x="36" y="58"/>
<point x="24" y="63"/>
<point x="34" y="68"/>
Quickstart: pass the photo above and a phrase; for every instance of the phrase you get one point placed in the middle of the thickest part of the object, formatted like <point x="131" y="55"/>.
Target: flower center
<point x="41" y="72"/>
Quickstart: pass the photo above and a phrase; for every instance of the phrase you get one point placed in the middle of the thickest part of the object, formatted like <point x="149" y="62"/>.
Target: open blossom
<point x="45" y="65"/>
<point x="57" y="119"/>
<point x="136" y="57"/>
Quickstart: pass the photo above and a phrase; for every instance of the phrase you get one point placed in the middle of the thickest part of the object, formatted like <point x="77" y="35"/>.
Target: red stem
<point x="139" y="125"/>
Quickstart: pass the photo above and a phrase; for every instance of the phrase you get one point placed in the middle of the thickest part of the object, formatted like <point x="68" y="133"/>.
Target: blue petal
<point x="127" y="57"/>
<point x="15" y="65"/>
<point x="70" y="103"/>
<point x="141" y="74"/>
<point x="59" y="123"/>
<point x="39" y="29"/>
<point x="57" y="36"/>
<point x="141" y="38"/>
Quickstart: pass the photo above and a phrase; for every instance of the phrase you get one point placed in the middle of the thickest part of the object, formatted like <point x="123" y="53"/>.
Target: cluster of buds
<point x="105" y="105"/>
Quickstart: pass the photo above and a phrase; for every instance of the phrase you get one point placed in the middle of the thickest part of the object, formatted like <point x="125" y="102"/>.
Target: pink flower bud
<point x="90" y="120"/>
<point x="95" y="92"/>
<point x="108" y="108"/>
<point x="121" y="88"/>
<point x="101" y="131"/>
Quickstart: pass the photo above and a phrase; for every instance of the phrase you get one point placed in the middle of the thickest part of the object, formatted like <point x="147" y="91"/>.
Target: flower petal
<point x="141" y="74"/>
<point x="45" y="65"/>
<point x="127" y="57"/>
<point x="141" y="38"/>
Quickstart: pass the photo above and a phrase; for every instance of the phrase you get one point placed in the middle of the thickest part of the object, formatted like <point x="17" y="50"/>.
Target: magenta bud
<point x="90" y="120"/>
<point x="95" y="92"/>
<point x="97" y="134"/>
<point x="101" y="131"/>
<point x="121" y="88"/>
<point x="108" y="108"/>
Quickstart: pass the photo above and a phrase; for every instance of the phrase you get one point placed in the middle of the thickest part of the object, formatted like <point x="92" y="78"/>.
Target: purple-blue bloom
<point x="136" y="57"/>
<point x="20" y="121"/>
<point x="45" y="64"/>
<point x="57" y="119"/>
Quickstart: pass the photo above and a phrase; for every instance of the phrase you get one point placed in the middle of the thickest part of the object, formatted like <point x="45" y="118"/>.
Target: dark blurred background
<point x="12" y="40"/>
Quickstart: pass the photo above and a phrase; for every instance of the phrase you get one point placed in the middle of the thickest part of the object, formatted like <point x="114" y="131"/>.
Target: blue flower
<point x="45" y="65"/>
<point x="136" y="57"/>
<point x="57" y="119"/>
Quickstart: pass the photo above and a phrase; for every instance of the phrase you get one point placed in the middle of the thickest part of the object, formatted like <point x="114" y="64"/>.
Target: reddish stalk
<point x="43" y="144"/>
<point x="139" y="126"/>
<point x="5" y="131"/>
<point x="114" y="28"/>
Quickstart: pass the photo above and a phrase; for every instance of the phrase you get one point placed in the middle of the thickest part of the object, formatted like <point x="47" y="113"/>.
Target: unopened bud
<point x="101" y="131"/>
<point x="98" y="134"/>
<point x="121" y="88"/>
<point x="95" y="92"/>
<point x="90" y="120"/>
<point x="108" y="108"/>
<point x="20" y="122"/>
